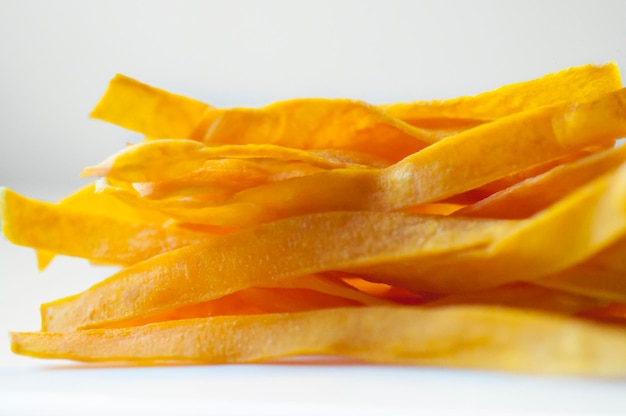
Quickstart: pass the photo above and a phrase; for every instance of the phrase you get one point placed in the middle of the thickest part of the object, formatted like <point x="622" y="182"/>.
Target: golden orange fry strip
<point x="469" y="260"/>
<point x="149" y="110"/>
<point x="167" y="159"/>
<point x="468" y="336"/>
<point x="563" y="231"/>
<point x="87" y="200"/>
<point x="313" y="123"/>
<point x="582" y="83"/>
<point x="287" y="295"/>
<point x="459" y="164"/>
<point x="433" y="254"/>
<point x="260" y="256"/>
<point x="225" y="177"/>
<point x="534" y="194"/>
<point x="91" y="235"/>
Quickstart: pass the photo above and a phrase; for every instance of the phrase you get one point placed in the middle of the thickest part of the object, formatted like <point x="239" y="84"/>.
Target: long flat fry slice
<point x="249" y="301"/>
<point x="149" y="110"/>
<point x="87" y="200"/>
<point x="94" y="236"/>
<point x="259" y="256"/>
<point x="475" y="337"/>
<point x="534" y="194"/>
<point x="582" y="83"/>
<point x="288" y="295"/>
<point x="316" y="124"/>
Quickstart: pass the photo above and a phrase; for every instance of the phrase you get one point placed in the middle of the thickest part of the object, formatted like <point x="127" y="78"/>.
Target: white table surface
<point x="36" y="387"/>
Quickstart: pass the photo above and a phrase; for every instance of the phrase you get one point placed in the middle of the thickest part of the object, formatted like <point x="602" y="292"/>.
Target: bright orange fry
<point x="259" y="256"/>
<point x="582" y="83"/>
<point x="447" y="168"/>
<point x="534" y="194"/>
<point x="167" y="159"/>
<point x="288" y="295"/>
<point x="314" y="123"/>
<point x="460" y="336"/>
<point x="225" y="177"/>
<point x="570" y="232"/>
<point x="78" y="232"/>
<point x="470" y="258"/>
<point x="149" y="110"/>
<point x="87" y="200"/>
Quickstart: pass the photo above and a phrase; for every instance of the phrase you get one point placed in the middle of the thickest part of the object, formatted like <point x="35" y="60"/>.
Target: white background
<point x="56" y="58"/>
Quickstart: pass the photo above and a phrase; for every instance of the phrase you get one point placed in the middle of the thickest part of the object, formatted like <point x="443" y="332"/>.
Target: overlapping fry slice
<point x="528" y="197"/>
<point x="582" y="83"/>
<point x="303" y="226"/>
<point x="513" y="144"/>
<point x="85" y="232"/>
<point x="482" y="337"/>
<point x="149" y="110"/>
<point x="259" y="256"/>
<point x="428" y="254"/>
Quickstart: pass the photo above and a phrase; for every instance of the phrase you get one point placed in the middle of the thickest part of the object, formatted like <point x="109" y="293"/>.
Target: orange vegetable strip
<point x="525" y="296"/>
<point x="461" y="336"/>
<point x="330" y="286"/>
<point x="78" y="232"/>
<point x="148" y="110"/>
<point x="247" y="302"/>
<point x="470" y="260"/>
<point x="257" y="257"/>
<point x="511" y="144"/>
<point x="166" y="159"/>
<point x="314" y="123"/>
<point x="86" y="199"/>
<point x="572" y="231"/>
<point x="582" y="83"/>
<point x="518" y="250"/>
<point x="225" y="177"/>
<point x="287" y="295"/>
<point x="534" y="194"/>
<point x="444" y="169"/>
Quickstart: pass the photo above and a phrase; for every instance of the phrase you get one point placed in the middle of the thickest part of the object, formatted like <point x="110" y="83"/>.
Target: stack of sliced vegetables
<point x="485" y="231"/>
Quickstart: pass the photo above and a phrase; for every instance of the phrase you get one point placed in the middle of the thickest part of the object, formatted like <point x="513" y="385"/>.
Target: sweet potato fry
<point x="75" y="231"/>
<point x="467" y="336"/>
<point x="582" y="83"/>
<point x="149" y="110"/>
<point x="259" y="256"/>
